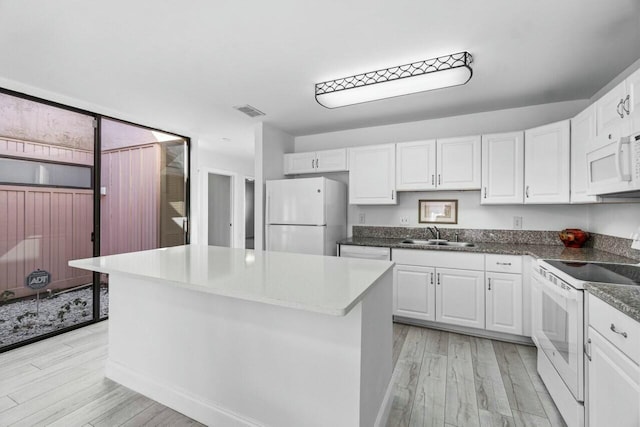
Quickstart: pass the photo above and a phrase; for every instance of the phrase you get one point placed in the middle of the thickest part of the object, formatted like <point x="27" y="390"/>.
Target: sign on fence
<point x="38" y="279"/>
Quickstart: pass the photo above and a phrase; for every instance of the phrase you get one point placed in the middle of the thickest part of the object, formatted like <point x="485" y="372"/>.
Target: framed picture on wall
<point x="438" y="211"/>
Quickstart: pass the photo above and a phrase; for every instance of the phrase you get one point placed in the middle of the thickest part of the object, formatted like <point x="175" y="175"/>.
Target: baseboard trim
<point x="517" y="339"/>
<point x="207" y="413"/>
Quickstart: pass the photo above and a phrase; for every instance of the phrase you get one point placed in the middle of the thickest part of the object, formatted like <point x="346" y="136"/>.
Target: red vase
<point x="573" y="237"/>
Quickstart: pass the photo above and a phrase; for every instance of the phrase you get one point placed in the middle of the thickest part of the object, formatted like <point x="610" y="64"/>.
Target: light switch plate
<point x="361" y="218"/>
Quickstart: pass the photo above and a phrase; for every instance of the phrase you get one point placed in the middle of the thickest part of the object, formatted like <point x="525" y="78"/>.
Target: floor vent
<point x="249" y="110"/>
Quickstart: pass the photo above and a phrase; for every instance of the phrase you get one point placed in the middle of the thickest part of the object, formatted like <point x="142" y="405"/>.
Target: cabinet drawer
<point x="504" y="263"/>
<point x="603" y="318"/>
<point x="366" y="252"/>
<point x="444" y="259"/>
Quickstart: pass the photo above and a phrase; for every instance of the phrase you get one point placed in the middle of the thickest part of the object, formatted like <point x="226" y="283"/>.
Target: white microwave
<point x="615" y="168"/>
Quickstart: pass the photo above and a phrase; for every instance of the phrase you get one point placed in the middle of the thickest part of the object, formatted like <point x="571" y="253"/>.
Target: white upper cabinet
<point x="372" y="175"/>
<point x="416" y="165"/>
<point x="618" y="111"/>
<point x="547" y="159"/>
<point x="632" y="105"/>
<point x="458" y="163"/>
<point x="583" y="140"/>
<point x="296" y="163"/>
<point x="503" y="168"/>
<point x="316" y="162"/>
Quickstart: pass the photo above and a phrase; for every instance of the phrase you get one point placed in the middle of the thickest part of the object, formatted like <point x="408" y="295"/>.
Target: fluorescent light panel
<point x="436" y="73"/>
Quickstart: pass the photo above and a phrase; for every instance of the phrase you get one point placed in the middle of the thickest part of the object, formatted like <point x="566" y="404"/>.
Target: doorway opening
<point x="219" y="209"/>
<point x="249" y="213"/>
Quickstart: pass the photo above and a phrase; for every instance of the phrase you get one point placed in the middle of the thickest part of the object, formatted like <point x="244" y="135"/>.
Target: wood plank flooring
<point x="440" y="379"/>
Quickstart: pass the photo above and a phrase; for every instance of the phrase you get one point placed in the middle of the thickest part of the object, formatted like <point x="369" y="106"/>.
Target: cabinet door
<point x="613" y="385"/>
<point x="504" y="303"/>
<point x="503" y="168"/>
<point x="372" y="175"/>
<point x="547" y="160"/>
<point x="460" y="297"/>
<point x="583" y="136"/>
<point x="458" y="164"/>
<point x="633" y="103"/>
<point x="414" y="292"/>
<point x="610" y="123"/>
<point x="296" y="163"/>
<point x="331" y="160"/>
<point x="416" y="165"/>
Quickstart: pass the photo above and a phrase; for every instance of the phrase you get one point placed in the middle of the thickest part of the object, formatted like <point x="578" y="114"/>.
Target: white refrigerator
<point x="305" y="215"/>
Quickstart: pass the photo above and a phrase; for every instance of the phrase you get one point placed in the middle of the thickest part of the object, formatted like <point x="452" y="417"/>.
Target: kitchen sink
<point x="437" y="243"/>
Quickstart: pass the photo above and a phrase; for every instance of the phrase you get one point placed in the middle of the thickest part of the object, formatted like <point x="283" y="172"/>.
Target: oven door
<point x="558" y="329"/>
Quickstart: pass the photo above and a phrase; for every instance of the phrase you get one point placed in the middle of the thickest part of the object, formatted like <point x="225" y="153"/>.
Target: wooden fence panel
<point x="43" y="228"/>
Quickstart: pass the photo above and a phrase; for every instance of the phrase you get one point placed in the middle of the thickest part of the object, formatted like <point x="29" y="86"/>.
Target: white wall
<point x="205" y="159"/>
<point x="614" y="219"/>
<point x="470" y="124"/>
<point x="271" y="144"/>
<point x="471" y="213"/>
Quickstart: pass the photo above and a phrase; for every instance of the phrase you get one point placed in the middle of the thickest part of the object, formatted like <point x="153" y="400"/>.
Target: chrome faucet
<point x="434" y="230"/>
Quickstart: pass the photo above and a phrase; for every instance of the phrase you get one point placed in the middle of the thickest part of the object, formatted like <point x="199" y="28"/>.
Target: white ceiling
<point x="182" y="65"/>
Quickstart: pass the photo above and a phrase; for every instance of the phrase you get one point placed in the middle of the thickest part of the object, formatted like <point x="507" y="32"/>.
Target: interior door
<point x="301" y="239"/>
<point x="220" y="224"/>
<point x="296" y="201"/>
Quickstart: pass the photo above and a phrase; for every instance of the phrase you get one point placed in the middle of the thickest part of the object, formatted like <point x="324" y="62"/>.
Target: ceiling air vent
<point x="249" y="110"/>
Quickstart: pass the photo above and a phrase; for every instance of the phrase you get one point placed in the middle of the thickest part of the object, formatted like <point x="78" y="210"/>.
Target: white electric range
<point x="558" y="328"/>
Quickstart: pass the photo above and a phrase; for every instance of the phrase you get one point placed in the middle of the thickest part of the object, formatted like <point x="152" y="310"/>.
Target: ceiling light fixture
<point x="435" y="73"/>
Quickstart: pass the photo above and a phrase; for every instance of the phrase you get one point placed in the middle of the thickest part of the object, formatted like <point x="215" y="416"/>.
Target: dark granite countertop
<point x="537" y="251"/>
<point x="625" y="298"/>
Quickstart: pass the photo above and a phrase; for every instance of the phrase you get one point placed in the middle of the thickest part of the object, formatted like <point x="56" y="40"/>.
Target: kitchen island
<point x="235" y="337"/>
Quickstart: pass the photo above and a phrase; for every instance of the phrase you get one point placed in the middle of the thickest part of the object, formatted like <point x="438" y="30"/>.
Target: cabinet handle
<point x="613" y="328"/>
<point x="503" y="263"/>
<point x="433" y="180"/>
<point x="610" y="136"/>
<point x="526" y="191"/>
<point x="438" y="275"/>
<point x="439" y="180"/>
<point x="489" y="280"/>
<point x="620" y="109"/>
<point x="625" y="105"/>
<point x="485" y="192"/>
<point x="312" y="167"/>
<point x="432" y="278"/>
<point x="587" y="349"/>
<point x="317" y="163"/>
<point x="392" y="194"/>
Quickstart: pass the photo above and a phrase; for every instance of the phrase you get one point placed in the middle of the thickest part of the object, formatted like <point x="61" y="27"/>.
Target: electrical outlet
<point x="404" y="220"/>
<point x="361" y="218"/>
<point x="517" y="223"/>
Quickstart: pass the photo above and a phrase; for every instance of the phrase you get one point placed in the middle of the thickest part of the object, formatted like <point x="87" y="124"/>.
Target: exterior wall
<point x="43" y="228"/>
<point x="130" y="209"/>
<point x="33" y="121"/>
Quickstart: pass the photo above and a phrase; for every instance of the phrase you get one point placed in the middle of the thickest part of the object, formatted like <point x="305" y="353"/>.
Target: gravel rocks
<point x="19" y="321"/>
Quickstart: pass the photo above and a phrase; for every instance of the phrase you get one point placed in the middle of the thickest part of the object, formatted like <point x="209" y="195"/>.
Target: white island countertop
<point x="328" y="285"/>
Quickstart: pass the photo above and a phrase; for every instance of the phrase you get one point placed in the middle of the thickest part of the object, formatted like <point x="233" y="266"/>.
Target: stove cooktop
<point x="621" y="274"/>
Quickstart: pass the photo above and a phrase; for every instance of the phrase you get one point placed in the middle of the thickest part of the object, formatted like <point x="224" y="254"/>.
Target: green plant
<point x="6" y="296"/>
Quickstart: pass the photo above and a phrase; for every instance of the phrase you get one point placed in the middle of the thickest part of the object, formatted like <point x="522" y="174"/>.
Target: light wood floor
<point x="442" y="379"/>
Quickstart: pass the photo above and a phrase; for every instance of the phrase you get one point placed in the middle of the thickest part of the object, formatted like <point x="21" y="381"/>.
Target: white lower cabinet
<point x="613" y="387"/>
<point x="504" y="303"/>
<point x="487" y="293"/>
<point x="612" y="373"/>
<point x="414" y="292"/>
<point x="460" y="297"/>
